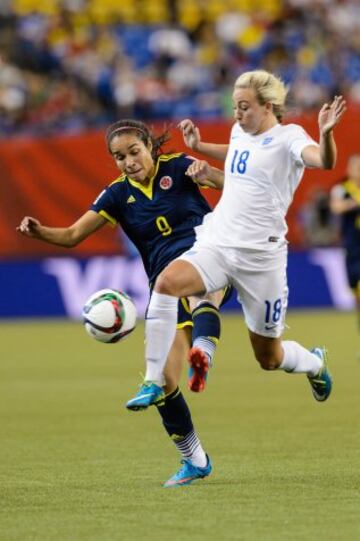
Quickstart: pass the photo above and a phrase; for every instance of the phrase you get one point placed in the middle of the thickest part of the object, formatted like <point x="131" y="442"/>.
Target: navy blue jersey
<point x="350" y="221"/>
<point x="159" y="218"/>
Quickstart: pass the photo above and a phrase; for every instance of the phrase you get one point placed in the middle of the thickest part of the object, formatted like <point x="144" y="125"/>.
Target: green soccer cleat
<point x="149" y="394"/>
<point x="321" y="384"/>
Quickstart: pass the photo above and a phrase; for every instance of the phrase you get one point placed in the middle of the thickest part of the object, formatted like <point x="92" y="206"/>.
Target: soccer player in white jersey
<point x="243" y="241"/>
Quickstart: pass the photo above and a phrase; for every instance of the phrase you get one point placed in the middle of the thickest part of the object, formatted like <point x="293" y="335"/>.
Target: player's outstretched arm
<point x="62" y="236"/>
<point x="205" y="175"/>
<point x="324" y="156"/>
<point x="192" y="139"/>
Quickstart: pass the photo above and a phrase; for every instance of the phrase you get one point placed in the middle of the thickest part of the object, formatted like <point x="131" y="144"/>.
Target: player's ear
<point x="149" y="145"/>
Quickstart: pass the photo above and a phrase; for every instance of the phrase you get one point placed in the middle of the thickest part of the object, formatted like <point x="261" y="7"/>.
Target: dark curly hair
<point x="141" y="131"/>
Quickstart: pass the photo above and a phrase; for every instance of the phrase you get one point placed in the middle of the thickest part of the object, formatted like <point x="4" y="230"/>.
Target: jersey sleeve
<point x="187" y="160"/>
<point x="298" y="139"/>
<point x="184" y="161"/>
<point x="104" y="204"/>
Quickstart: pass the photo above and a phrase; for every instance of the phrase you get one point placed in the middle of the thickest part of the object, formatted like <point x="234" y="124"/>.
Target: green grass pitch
<point x="76" y="465"/>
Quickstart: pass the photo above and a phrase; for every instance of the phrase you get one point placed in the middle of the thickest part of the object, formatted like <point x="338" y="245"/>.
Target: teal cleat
<point x="149" y="394"/>
<point x="188" y="473"/>
<point x="321" y="384"/>
<point x="198" y="371"/>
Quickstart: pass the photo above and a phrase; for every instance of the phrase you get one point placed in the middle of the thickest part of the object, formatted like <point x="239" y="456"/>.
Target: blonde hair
<point x="267" y="87"/>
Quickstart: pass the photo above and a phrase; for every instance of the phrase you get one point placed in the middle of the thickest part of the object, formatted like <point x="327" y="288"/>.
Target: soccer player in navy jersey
<point x="158" y="206"/>
<point x="345" y="202"/>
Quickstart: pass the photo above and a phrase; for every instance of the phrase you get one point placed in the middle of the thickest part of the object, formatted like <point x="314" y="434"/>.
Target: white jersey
<point x="262" y="173"/>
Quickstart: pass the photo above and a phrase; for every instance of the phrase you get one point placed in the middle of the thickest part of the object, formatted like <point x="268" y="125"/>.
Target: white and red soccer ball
<point x="109" y="315"/>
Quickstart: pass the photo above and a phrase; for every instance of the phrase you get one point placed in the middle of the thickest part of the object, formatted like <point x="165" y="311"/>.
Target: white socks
<point x="297" y="359"/>
<point x="160" y="329"/>
<point x="207" y="346"/>
<point x="191" y="449"/>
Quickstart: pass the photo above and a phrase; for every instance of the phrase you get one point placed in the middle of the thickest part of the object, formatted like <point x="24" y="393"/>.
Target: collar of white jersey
<point x="237" y="130"/>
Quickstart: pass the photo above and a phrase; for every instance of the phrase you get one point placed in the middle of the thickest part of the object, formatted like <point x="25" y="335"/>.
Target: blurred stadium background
<point x="68" y="68"/>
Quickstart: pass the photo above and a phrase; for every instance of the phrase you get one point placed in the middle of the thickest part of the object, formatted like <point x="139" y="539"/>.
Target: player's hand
<point x="200" y="171"/>
<point x="29" y="227"/>
<point x="330" y="115"/>
<point x="191" y="134"/>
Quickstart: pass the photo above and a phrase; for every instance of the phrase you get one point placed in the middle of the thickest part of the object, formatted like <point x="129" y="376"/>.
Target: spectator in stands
<point x="181" y="67"/>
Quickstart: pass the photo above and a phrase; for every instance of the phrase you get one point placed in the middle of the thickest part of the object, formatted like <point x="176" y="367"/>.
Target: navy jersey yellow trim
<point x="352" y="189"/>
<point x="109" y="218"/>
<point x="121" y="178"/>
<point x="159" y="218"/>
<point x="350" y="221"/>
<point x="148" y="190"/>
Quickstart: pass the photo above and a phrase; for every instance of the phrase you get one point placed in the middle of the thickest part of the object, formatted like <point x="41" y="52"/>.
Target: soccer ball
<point x="109" y="316"/>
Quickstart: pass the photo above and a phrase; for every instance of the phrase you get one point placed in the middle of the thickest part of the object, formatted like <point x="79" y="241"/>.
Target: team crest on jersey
<point x="166" y="182"/>
<point x="267" y="140"/>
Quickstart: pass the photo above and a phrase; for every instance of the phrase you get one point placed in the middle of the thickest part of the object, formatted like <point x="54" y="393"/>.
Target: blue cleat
<point x="198" y="371"/>
<point x="149" y="394"/>
<point x="188" y="473"/>
<point x="321" y="384"/>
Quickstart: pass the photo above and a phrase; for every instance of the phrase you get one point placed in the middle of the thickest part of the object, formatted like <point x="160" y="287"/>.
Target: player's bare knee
<point x="166" y="283"/>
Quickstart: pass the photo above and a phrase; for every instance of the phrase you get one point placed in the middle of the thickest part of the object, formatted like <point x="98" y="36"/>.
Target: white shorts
<point x="258" y="276"/>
